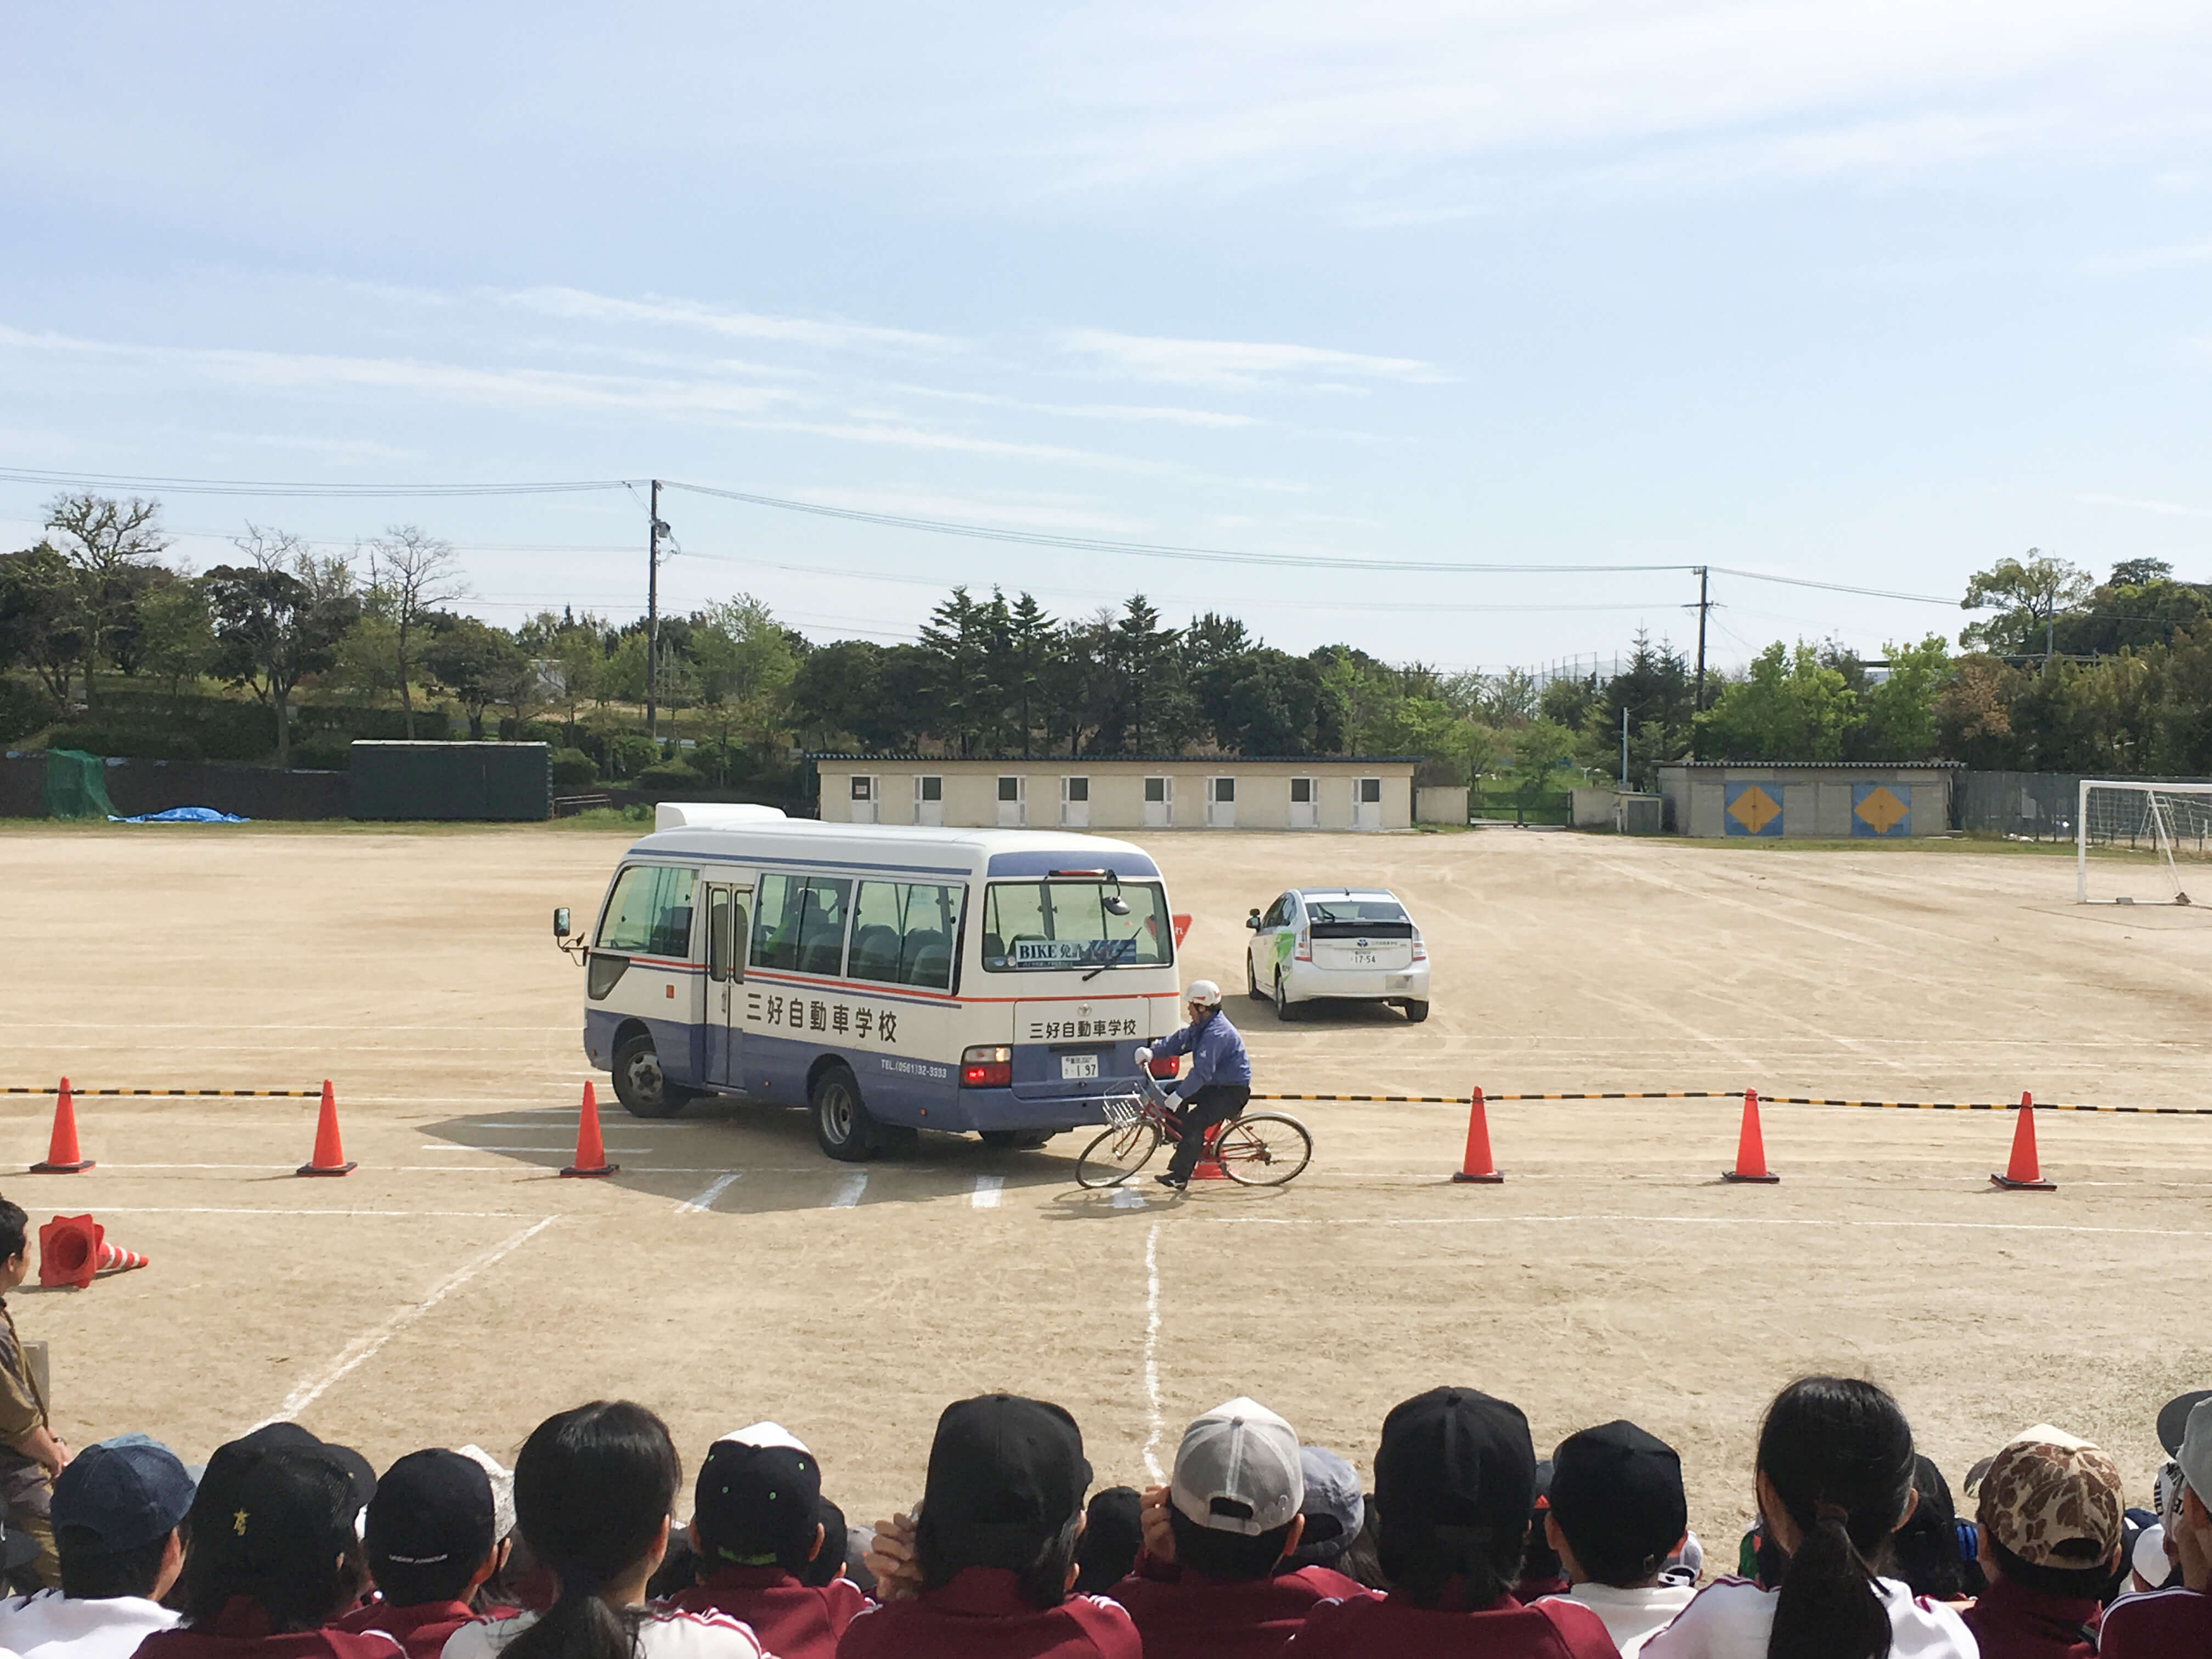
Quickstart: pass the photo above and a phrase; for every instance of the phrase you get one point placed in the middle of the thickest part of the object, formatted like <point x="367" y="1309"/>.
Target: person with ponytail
<point x="1455" y="1488"/>
<point x="594" y="1490"/>
<point x="1834" y="1482"/>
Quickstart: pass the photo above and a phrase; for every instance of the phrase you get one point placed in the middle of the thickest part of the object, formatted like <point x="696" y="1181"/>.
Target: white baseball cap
<point x="765" y="1435"/>
<point x="1238" y="1470"/>
<point x="2195" y="1454"/>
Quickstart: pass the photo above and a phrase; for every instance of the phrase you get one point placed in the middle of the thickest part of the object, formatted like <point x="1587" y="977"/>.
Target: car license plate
<point x="1366" y="959"/>
<point x="1072" y="1066"/>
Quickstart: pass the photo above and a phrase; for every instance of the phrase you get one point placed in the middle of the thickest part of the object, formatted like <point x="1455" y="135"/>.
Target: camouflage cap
<point x="2053" y="1500"/>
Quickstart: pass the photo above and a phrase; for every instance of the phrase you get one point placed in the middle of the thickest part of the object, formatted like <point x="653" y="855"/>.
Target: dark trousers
<point x="1217" y="1103"/>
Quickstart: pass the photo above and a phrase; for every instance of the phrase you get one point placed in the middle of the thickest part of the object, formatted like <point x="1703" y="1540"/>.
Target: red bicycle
<point x="1259" y="1149"/>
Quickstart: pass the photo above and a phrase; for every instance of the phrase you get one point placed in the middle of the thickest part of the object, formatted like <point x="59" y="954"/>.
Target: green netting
<point x="75" y="785"/>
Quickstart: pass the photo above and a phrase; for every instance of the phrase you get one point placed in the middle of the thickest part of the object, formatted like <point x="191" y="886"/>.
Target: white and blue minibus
<point x="890" y="978"/>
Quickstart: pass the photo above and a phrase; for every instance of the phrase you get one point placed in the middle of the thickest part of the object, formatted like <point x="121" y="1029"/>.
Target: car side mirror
<point x="1252" y="921"/>
<point x="561" y="921"/>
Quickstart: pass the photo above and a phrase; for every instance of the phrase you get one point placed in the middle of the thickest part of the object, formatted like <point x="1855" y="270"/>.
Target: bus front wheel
<point x="641" y="1085"/>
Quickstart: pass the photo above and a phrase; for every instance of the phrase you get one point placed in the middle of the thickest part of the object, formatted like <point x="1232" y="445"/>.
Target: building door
<point x="929" y="801"/>
<point x="726" y="933"/>
<point x="1075" y="802"/>
<point x="1305" y="814"/>
<point x="1159" y="803"/>
<point x="1221" y="803"/>
<point x="1011" y="803"/>
<point x="864" y="800"/>
<point x="1367" y="803"/>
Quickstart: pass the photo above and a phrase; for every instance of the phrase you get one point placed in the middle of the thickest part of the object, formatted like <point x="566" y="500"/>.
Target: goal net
<point x="2142" y="843"/>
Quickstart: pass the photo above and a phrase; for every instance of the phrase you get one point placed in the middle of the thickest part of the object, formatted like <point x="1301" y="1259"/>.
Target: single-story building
<point x="1085" y="791"/>
<point x="1830" y="799"/>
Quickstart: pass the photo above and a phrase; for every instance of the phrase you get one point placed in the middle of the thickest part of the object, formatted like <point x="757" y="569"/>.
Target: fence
<point x="153" y="786"/>
<point x="2031" y="805"/>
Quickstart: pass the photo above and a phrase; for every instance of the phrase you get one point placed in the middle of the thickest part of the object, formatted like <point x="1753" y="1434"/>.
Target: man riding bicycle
<point x="1219" y="1083"/>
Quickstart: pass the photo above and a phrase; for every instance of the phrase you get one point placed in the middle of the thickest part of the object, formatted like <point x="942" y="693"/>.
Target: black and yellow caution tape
<point x="1764" y="1100"/>
<point x="258" y="1094"/>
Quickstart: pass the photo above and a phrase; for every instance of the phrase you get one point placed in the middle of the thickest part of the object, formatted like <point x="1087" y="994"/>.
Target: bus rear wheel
<point x="843" y="1127"/>
<point x="641" y="1085"/>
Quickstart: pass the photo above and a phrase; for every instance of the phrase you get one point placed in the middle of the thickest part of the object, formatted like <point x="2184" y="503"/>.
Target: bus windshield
<point x="1030" y="925"/>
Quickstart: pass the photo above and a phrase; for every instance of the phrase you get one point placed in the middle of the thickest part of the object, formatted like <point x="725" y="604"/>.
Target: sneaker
<point x="1174" y="1181"/>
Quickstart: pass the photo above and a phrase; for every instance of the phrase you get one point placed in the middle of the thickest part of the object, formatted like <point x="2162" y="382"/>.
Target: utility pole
<point x="1697" y="698"/>
<point x="652" y="617"/>
<point x="1624" y="748"/>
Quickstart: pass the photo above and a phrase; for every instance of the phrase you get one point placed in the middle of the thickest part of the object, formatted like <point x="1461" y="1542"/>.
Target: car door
<point x="728" y="928"/>
<point x="1264" y="952"/>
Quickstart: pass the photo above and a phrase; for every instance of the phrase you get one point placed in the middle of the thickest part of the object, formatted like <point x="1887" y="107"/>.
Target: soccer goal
<point x="2171" y="822"/>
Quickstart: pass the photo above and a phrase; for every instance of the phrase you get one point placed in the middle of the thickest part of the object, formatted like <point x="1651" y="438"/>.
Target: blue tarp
<point x="185" y="815"/>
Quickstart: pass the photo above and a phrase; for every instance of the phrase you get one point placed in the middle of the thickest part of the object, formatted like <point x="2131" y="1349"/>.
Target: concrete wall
<point x="1440" y="804"/>
<point x="969" y="792"/>
<point x="1829" y="803"/>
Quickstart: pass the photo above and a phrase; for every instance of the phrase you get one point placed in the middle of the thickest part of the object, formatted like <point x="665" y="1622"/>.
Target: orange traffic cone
<point x="1476" y="1167"/>
<point x="2024" y="1173"/>
<point x="330" y="1158"/>
<point x="1208" y="1167"/>
<point x="114" y="1259"/>
<point x="1750" y="1148"/>
<point x="590" y="1150"/>
<point x="63" y="1157"/>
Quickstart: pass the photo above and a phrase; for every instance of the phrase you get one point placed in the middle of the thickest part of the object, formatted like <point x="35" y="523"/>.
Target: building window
<point x="1078" y="788"/>
<point x="1301" y="791"/>
<point x="1370" y="790"/>
<point x="1224" y="789"/>
<point x="1156" y="789"/>
<point x="861" y="788"/>
<point x="933" y="788"/>
<point x="1010" y="788"/>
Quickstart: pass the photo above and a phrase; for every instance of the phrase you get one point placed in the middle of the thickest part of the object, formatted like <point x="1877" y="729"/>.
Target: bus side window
<point x="776" y="922"/>
<point x="737" y="963"/>
<point x="718" y="934"/>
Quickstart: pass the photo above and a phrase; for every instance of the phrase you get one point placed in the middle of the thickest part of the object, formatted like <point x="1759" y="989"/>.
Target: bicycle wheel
<point x="1120" y="1150"/>
<point x="1264" y="1149"/>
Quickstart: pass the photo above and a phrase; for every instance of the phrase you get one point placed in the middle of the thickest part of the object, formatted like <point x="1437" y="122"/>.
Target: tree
<point x="1031" y="643"/>
<point x="40" y="624"/>
<point x="2027" y="594"/>
<point x="105" y="544"/>
<point x="177" y="639"/>
<point x="416" y="573"/>
<point x="1900" y="719"/>
<point x="1791" y="707"/>
<point x="278" y="619"/>
<point x="479" y="664"/>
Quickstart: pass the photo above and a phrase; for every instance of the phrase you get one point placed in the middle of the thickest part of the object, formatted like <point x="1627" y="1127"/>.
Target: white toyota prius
<point x="1315" y="943"/>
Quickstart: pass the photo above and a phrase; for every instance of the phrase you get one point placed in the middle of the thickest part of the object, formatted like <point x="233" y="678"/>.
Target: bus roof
<point x="986" y="851"/>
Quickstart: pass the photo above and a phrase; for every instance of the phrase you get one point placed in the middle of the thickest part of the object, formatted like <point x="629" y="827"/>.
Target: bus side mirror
<point x="561" y="921"/>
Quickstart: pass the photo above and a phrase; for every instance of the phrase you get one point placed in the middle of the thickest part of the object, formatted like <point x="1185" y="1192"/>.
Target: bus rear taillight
<point x="986" y="1067"/>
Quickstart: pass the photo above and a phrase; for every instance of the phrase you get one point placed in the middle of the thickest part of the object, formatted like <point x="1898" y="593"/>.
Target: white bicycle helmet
<point x="1203" y="993"/>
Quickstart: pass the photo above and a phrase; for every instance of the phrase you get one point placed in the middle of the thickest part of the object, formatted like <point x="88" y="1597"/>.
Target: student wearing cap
<point x="1208" y="1581"/>
<point x="756" y="1526"/>
<point x="594" y="1489"/>
<point x="1617" y="1514"/>
<point x="272" y="1555"/>
<point x="2049" y="1511"/>
<point x="31" y="1453"/>
<point x="984" y="1571"/>
<point x="432" y="1540"/>
<point x="117" y="1511"/>
<point x="1454" y="1485"/>
<point x="1113" y="1533"/>
<point x="1834" y="1478"/>
<point x="2165" y="1623"/>
<point x="1333" y="1508"/>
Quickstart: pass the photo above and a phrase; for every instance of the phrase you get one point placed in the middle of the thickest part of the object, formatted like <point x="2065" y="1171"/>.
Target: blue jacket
<point x="1216" y="1055"/>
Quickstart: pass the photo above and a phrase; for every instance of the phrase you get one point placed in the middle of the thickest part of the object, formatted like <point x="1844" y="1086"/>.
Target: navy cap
<point x="120" y="1494"/>
<point x="431" y="1508"/>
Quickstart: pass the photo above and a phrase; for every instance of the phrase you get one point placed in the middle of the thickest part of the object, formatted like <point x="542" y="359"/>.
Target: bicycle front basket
<point x="1123" y="1108"/>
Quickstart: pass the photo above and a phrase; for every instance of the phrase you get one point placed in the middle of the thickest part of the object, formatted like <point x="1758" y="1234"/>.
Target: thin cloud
<point x="1174" y="416"/>
<point x="1043" y="514"/>
<point x="2153" y="259"/>
<point x="1237" y="365"/>
<point x="2142" y="504"/>
<point x="577" y="305"/>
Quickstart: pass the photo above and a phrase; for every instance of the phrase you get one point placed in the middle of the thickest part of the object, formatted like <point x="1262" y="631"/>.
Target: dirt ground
<point x="453" y="1290"/>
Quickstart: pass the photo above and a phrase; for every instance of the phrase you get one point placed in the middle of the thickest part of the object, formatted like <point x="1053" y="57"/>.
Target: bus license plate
<point x="1072" y="1066"/>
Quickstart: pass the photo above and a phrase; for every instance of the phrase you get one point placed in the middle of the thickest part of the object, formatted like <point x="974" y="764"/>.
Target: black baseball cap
<point x="288" y="1439"/>
<point x="1617" y="1492"/>
<point x="1454" y="1458"/>
<point x="433" y="1509"/>
<point x="1004" y="1472"/>
<point x="282" y="1515"/>
<point x="758" y="1497"/>
<point x="120" y="1494"/>
<point x="2173" y="1418"/>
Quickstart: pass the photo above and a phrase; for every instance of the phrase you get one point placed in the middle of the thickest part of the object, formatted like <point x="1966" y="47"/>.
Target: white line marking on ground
<point x="1158" y="1424"/>
<point x="1128" y="1198"/>
<point x="366" y="1346"/>
<point x="706" y="1200"/>
<point x="1702" y="1220"/>
<point x="217" y="1209"/>
<point x="849" y="1190"/>
<point x="566" y="1146"/>
<point x="987" y="1188"/>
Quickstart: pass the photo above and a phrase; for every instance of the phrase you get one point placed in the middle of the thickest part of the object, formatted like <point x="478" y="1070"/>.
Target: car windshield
<point x="1030" y="925"/>
<point x="1355" y="910"/>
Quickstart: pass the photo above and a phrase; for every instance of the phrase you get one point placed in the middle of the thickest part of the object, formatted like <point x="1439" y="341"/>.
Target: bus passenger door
<point x="728" y="928"/>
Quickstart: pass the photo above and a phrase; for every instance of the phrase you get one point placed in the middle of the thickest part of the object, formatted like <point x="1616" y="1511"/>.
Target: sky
<point x="1870" y="295"/>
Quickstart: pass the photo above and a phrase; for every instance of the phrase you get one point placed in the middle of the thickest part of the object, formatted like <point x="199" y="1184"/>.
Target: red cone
<point x="63" y="1157"/>
<point x="330" y="1158"/>
<point x="69" y="1250"/>
<point x="1750" y="1148"/>
<point x="590" y="1150"/>
<point x="1208" y="1167"/>
<point x="2024" y="1173"/>
<point x="114" y="1259"/>
<point x="1476" y="1167"/>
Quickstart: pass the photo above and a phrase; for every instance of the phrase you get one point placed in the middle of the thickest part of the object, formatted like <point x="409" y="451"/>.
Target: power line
<point x="262" y="487"/>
